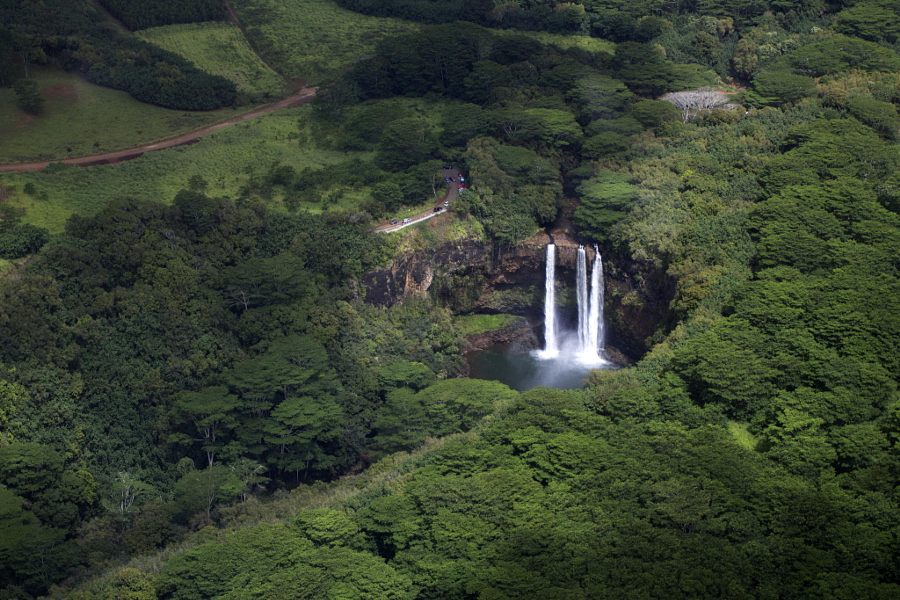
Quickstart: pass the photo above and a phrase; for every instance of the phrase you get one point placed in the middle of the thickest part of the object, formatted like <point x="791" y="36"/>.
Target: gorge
<point x="568" y="355"/>
<point x="475" y="278"/>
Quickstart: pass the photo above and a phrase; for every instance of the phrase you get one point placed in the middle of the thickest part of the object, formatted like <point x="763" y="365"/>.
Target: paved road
<point x="296" y="99"/>
<point x="452" y="191"/>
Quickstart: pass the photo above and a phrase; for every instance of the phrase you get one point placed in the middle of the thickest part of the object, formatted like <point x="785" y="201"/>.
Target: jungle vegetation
<point x="196" y="403"/>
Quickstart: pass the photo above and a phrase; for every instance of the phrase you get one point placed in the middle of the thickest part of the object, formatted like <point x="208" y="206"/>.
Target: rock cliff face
<point x="471" y="276"/>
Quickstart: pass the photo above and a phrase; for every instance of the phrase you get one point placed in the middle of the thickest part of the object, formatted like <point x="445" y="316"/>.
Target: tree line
<point x="138" y="14"/>
<point x="76" y="36"/>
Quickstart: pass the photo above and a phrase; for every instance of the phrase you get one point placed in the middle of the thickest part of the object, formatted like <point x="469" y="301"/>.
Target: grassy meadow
<point x="478" y="324"/>
<point x="81" y="119"/>
<point x="221" y="49"/>
<point x="226" y="159"/>
<point x="312" y="40"/>
<point x="584" y="42"/>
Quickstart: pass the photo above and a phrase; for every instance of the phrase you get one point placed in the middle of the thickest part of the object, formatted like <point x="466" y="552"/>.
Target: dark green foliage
<point x="153" y="75"/>
<point x="880" y="116"/>
<point x="724" y="367"/>
<point x="696" y="40"/>
<point x="837" y="54"/>
<point x="601" y="97"/>
<point x="321" y="556"/>
<point x="643" y="69"/>
<point x="199" y="491"/>
<point x="750" y="454"/>
<point x="9" y="72"/>
<point x="29" y="325"/>
<point x="783" y="87"/>
<point x="141" y="14"/>
<point x="34" y="549"/>
<point x="30" y="554"/>
<point x="869" y="20"/>
<point x="832" y="149"/>
<point x="77" y="36"/>
<point x="444" y="408"/>
<point x="485" y="76"/>
<point x="537" y="16"/>
<point x="21" y="240"/>
<point x="655" y="113"/>
<point x="605" y="200"/>
<point x="28" y="96"/>
<point x="207" y="570"/>
<point x="463" y="122"/>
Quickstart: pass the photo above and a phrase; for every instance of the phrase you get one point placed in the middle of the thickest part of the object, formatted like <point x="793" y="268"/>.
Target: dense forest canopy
<point x="141" y="14"/>
<point x="195" y="401"/>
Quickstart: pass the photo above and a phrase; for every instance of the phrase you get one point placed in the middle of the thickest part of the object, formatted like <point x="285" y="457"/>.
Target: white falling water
<point x="551" y="345"/>
<point x="585" y="346"/>
<point x="590" y="307"/>
<point x="595" y="318"/>
<point x="581" y="293"/>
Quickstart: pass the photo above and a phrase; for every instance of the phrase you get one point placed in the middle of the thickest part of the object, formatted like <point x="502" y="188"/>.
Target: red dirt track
<point x="192" y="137"/>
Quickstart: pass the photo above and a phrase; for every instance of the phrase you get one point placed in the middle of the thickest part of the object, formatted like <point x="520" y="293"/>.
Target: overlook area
<point x="251" y="250"/>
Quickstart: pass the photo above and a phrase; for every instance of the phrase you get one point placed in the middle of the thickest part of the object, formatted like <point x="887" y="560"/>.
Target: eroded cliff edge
<point x="472" y="276"/>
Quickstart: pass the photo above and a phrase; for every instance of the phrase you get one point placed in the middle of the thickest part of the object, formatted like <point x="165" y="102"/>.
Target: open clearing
<point x="312" y="39"/>
<point x="584" y="42"/>
<point x="81" y="119"/>
<point x="226" y="158"/>
<point x="220" y="49"/>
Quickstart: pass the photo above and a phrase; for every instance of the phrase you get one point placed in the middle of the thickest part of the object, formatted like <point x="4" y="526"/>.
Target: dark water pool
<point x="523" y="371"/>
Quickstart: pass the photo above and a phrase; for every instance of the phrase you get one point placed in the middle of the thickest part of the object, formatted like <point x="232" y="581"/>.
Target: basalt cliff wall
<point x="471" y="276"/>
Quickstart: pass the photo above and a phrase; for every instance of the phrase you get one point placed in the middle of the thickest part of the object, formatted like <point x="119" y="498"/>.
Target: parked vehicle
<point x="395" y="221"/>
<point x="438" y="208"/>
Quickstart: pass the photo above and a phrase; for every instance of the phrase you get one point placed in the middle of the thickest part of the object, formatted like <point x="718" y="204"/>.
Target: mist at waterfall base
<point x="568" y="355"/>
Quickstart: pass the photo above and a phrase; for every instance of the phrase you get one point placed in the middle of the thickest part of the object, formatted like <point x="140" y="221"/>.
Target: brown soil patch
<point x="59" y="91"/>
<point x="25" y="118"/>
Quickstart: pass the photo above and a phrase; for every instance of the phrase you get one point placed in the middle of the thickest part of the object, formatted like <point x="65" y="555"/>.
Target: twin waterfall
<point x="589" y="342"/>
<point x="551" y="346"/>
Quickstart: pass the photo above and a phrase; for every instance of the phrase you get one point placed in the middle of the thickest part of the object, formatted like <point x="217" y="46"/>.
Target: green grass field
<point x="220" y="49"/>
<point x="225" y="158"/>
<point x="312" y="39"/>
<point x="478" y="324"/>
<point x="81" y="119"/>
<point x="584" y="42"/>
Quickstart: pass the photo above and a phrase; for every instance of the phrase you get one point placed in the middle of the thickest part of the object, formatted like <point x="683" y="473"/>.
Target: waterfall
<point x="581" y="293"/>
<point x="585" y="347"/>
<point x="590" y="308"/>
<point x="551" y="346"/>
<point x="595" y="329"/>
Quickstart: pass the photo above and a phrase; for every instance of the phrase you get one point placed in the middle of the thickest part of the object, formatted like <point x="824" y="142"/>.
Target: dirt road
<point x="454" y="175"/>
<point x="296" y="99"/>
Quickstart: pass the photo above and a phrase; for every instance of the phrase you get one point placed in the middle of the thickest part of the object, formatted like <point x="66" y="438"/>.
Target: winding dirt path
<point x="111" y="158"/>
<point x="452" y="191"/>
